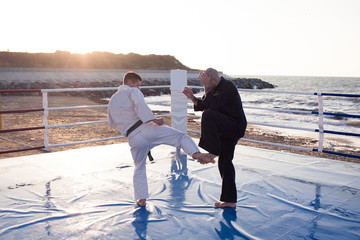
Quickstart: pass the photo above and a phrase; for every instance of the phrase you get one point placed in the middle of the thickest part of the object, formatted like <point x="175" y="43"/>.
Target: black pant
<point x="219" y="136"/>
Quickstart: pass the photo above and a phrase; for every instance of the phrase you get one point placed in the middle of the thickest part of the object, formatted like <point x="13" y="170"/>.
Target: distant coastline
<point x="62" y="69"/>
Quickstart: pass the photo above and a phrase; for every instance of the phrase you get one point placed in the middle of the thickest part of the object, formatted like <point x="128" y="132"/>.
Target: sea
<point x="296" y="101"/>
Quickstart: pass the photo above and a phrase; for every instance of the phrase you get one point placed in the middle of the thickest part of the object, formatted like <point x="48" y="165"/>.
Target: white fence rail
<point x="179" y="116"/>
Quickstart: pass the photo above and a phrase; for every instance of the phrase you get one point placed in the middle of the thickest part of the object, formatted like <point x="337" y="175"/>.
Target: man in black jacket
<point x="223" y="123"/>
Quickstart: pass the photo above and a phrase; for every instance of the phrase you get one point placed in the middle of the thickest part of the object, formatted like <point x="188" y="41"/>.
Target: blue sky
<point x="244" y="37"/>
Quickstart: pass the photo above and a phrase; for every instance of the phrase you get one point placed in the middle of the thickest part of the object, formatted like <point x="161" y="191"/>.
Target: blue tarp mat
<point x="88" y="194"/>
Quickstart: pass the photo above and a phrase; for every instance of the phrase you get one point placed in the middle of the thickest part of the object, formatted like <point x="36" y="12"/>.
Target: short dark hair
<point x="131" y="76"/>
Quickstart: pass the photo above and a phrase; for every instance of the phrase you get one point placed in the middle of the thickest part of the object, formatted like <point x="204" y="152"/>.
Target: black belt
<point x="133" y="127"/>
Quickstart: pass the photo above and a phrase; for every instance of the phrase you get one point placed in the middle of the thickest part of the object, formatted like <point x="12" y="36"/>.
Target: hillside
<point x="94" y="60"/>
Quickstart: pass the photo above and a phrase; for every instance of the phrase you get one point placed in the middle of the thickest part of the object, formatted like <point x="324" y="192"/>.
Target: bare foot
<point x="225" y="204"/>
<point x="141" y="202"/>
<point x="203" y="158"/>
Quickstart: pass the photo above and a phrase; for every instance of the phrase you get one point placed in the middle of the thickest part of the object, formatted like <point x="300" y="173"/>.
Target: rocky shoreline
<point x="61" y="78"/>
<point x="244" y="83"/>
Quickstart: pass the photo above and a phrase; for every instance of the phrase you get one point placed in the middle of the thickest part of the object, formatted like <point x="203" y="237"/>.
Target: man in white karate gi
<point x="128" y="112"/>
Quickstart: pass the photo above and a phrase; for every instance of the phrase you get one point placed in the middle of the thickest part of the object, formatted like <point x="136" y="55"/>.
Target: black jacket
<point x="225" y="99"/>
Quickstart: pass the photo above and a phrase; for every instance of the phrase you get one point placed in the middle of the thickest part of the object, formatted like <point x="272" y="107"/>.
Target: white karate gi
<point x="125" y="108"/>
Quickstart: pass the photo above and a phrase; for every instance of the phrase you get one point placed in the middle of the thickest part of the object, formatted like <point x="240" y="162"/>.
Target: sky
<point x="237" y="37"/>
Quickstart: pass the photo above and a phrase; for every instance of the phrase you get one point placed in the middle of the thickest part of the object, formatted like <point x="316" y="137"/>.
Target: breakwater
<point x="44" y="78"/>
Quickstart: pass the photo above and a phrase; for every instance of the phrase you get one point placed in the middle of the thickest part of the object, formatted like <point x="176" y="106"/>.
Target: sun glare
<point x="254" y="37"/>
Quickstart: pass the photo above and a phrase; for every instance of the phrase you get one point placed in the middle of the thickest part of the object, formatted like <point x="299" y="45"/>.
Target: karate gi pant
<point x="143" y="141"/>
<point x="219" y="136"/>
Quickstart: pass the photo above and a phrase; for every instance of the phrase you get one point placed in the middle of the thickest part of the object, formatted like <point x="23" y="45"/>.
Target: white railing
<point x="320" y="113"/>
<point x="179" y="114"/>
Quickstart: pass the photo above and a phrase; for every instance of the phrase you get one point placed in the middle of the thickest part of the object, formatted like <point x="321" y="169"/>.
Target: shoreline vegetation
<point x="93" y="60"/>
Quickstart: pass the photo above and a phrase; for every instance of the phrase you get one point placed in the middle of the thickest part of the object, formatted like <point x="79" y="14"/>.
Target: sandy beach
<point x="34" y="138"/>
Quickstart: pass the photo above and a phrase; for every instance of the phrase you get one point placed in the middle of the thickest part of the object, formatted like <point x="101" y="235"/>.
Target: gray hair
<point x="212" y="73"/>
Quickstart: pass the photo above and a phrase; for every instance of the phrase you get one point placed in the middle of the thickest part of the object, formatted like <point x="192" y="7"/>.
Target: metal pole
<point x="321" y="123"/>
<point x="45" y="119"/>
<point x="0" y="115"/>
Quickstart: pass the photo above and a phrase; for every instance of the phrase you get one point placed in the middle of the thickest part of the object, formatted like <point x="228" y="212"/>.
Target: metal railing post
<point x="321" y="123"/>
<point x="45" y="118"/>
<point x="0" y="115"/>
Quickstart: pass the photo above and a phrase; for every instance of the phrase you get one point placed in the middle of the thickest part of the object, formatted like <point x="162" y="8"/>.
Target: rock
<point x="252" y="83"/>
<point x="245" y="83"/>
